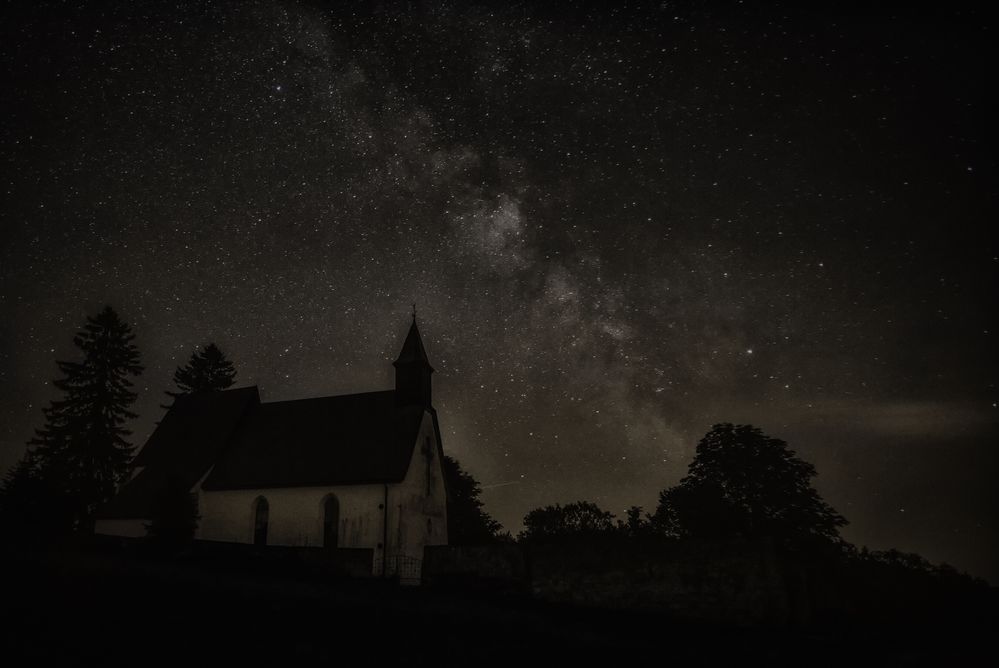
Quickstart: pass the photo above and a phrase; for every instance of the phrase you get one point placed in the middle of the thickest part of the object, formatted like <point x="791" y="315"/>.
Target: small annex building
<point x="351" y="471"/>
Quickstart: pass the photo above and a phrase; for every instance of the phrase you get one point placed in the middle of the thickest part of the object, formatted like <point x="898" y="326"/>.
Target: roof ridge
<point x="328" y="396"/>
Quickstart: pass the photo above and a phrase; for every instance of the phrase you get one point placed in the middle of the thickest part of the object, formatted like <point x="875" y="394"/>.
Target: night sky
<point x="620" y="226"/>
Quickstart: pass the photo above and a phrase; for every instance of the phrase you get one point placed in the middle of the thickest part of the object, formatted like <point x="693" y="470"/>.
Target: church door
<point x="331" y="520"/>
<point x="260" y="515"/>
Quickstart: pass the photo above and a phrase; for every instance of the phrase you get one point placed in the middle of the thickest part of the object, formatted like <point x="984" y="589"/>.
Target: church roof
<point x="183" y="447"/>
<point x="230" y="440"/>
<point x="344" y="440"/>
<point x="412" y="348"/>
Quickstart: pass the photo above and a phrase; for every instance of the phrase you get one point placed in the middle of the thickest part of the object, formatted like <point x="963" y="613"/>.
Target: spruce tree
<point x="208" y="370"/>
<point x="82" y="450"/>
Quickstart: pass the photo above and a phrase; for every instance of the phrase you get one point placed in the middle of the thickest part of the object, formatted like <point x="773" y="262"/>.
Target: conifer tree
<point x="81" y="453"/>
<point x="208" y="370"/>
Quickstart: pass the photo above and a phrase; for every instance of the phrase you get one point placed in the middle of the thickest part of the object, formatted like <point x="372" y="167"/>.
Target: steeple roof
<point x="413" y="350"/>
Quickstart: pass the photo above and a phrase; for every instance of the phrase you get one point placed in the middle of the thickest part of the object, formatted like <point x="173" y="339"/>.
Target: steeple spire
<point x="412" y="370"/>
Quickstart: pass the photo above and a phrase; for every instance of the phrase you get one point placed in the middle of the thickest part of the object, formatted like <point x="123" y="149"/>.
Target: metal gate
<point x="407" y="569"/>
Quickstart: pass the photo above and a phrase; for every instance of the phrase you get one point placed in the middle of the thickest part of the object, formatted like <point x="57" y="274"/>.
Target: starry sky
<point x="619" y="225"/>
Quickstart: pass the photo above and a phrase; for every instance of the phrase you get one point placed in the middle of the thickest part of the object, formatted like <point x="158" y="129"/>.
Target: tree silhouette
<point x="581" y="518"/>
<point x="31" y="507"/>
<point x="745" y="483"/>
<point x="81" y="453"/>
<point x="208" y="370"/>
<point x="635" y="524"/>
<point x="467" y="522"/>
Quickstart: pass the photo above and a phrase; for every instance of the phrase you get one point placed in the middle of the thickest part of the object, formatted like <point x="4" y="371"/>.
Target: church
<point x="350" y="471"/>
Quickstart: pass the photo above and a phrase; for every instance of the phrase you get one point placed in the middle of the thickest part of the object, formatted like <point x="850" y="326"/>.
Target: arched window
<point x="331" y="520"/>
<point x="260" y="513"/>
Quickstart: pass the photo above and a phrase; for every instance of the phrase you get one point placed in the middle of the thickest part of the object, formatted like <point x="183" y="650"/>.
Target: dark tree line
<point x="741" y="484"/>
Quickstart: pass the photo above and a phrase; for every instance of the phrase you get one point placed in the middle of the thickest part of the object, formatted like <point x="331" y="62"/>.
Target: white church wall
<point x="199" y="495"/>
<point x="295" y="515"/>
<point x="416" y="514"/>
<point x="416" y="517"/>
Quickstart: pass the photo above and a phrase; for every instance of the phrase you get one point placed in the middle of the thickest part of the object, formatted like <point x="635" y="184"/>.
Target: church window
<point x="430" y="527"/>
<point x="331" y="521"/>
<point x="261" y="511"/>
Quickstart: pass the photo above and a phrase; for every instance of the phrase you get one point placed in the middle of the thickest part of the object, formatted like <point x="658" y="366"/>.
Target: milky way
<point x="618" y="226"/>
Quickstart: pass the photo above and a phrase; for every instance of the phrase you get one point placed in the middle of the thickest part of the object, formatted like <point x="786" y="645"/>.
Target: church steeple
<point x="412" y="371"/>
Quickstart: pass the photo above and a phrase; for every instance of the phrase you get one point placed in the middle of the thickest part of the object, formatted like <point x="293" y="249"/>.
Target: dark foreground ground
<point x="84" y="606"/>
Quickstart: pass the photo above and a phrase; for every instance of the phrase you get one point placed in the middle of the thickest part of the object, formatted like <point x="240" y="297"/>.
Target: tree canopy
<point x="467" y="522"/>
<point x="208" y="370"/>
<point x="745" y="483"/>
<point x="582" y="518"/>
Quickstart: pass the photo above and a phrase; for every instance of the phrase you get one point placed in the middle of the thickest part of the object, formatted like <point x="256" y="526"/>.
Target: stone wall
<point x="744" y="583"/>
<point x="489" y="566"/>
<point x="718" y="583"/>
